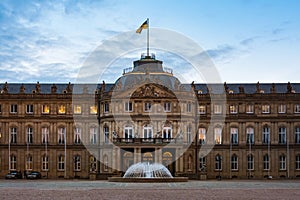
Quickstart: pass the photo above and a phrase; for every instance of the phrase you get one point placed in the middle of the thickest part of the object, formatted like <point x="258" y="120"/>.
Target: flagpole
<point x="148" y="37"/>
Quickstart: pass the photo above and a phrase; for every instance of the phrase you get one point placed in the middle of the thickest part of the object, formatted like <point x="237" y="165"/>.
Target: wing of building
<point x="195" y="129"/>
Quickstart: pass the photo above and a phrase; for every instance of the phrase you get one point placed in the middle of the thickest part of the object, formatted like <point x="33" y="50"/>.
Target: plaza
<point x="212" y="189"/>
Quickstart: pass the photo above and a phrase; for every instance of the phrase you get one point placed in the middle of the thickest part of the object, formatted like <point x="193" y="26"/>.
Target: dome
<point x="147" y="170"/>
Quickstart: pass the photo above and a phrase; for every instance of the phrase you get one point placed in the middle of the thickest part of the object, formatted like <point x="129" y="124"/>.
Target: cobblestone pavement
<point x="81" y="189"/>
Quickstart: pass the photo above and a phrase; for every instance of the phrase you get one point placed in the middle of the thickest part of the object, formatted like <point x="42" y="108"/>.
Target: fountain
<point x="147" y="172"/>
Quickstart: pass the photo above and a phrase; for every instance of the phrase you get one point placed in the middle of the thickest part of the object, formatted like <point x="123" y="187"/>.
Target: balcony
<point x="147" y="140"/>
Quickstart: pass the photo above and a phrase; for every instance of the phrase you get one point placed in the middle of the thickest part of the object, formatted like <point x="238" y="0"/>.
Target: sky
<point x="247" y="40"/>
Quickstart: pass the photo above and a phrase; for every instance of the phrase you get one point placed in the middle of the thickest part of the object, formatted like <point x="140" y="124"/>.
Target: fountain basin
<point x="148" y="180"/>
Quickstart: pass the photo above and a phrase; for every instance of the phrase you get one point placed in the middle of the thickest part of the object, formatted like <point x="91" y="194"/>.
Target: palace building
<point x="198" y="130"/>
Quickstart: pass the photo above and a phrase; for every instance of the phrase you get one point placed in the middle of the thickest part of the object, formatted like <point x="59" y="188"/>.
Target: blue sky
<point x="248" y="40"/>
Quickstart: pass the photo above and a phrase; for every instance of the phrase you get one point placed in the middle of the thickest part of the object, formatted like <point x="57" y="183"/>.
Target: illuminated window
<point x="61" y="109"/>
<point x="265" y="108"/>
<point x="202" y="109"/>
<point x="234" y="135"/>
<point x="218" y="135"/>
<point x="233" y="109"/>
<point x="93" y="109"/>
<point x="202" y="135"/>
<point x="249" y="108"/>
<point x="45" y="109"/>
<point x="77" y="109"/>
<point x="282" y="108"/>
<point x="217" y="109"/>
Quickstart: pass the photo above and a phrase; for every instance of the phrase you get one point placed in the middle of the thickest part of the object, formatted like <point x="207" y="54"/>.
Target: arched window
<point x="45" y="135"/>
<point x="61" y="163"/>
<point x="250" y="135"/>
<point x="266" y="135"/>
<point x="234" y="135"/>
<point x="190" y="163"/>
<point x="45" y="163"/>
<point x="218" y="135"/>
<point x="266" y="162"/>
<point x="29" y="135"/>
<point x="105" y="159"/>
<point x="93" y="164"/>
<point x="218" y="162"/>
<point x="148" y="131"/>
<point x="77" y="135"/>
<point x="167" y="132"/>
<point x="202" y="135"/>
<point x="77" y="163"/>
<point x="282" y="135"/>
<point x="13" y="162"/>
<point x="106" y="134"/>
<point x="234" y="162"/>
<point x="250" y="162"/>
<point x="13" y="135"/>
<point x="93" y="135"/>
<point x="128" y="132"/>
<point x="61" y="135"/>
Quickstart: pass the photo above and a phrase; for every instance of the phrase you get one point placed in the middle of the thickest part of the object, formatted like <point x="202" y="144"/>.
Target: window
<point x="45" y="135"/>
<point x="61" y="163"/>
<point x="106" y="134"/>
<point x="297" y="108"/>
<point x="29" y="135"/>
<point x="93" y="109"/>
<point x="13" y="108"/>
<point x="77" y="109"/>
<point x="282" y="135"/>
<point x="167" y="132"/>
<point x="202" y="109"/>
<point x="233" y="109"/>
<point x="202" y="135"/>
<point x="202" y="163"/>
<point x="297" y="135"/>
<point x="77" y="135"/>
<point x="218" y="162"/>
<point x="148" y="131"/>
<point x="147" y="107"/>
<point x="128" y="132"/>
<point x="266" y="135"/>
<point x="266" y="162"/>
<point x="265" y="108"/>
<point x="218" y="135"/>
<point x="45" y="163"/>
<point x="106" y="107"/>
<point x="250" y="135"/>
<point x="61" y="135"/>
<point x="128" y="106"/>
<point x="62" y="109"/>
<point x="45" y="109"/>
<point x="188" y="107"/>
<point x="28" y="162"/>
<point x="29" y="109"/>
<point x="105" y="158"/>
<point x="189" y="134"/>
<point x="282" y="108"/>
<point x="167" y="106"/>
<point x="13" y="162"/>
<point x="234" y="162"/>
<point x="13" y="135"/>
<point x="217" y="109"/>
<point x="249" y="108"/>
<point x="282" y="162"/>
<point x="77" y="163"/>
<point x="93" y="135"/>
<point x="0" y="108"/>
<point x="234" y="135"/>
<point x="250" y="162"/>
<point x="298" y="162"/>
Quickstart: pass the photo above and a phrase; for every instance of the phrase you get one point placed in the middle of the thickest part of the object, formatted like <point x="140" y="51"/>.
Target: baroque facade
<point x="147" y="115"/>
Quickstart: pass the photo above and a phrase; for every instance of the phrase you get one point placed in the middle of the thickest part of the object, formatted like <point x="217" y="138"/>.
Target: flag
<point x="143" y="26"/>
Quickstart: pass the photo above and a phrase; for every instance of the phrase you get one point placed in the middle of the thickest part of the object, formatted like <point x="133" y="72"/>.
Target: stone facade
<point x="97" y="131"/>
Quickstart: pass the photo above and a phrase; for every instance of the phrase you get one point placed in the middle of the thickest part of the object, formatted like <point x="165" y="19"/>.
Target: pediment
<point x="152" y="91"/>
